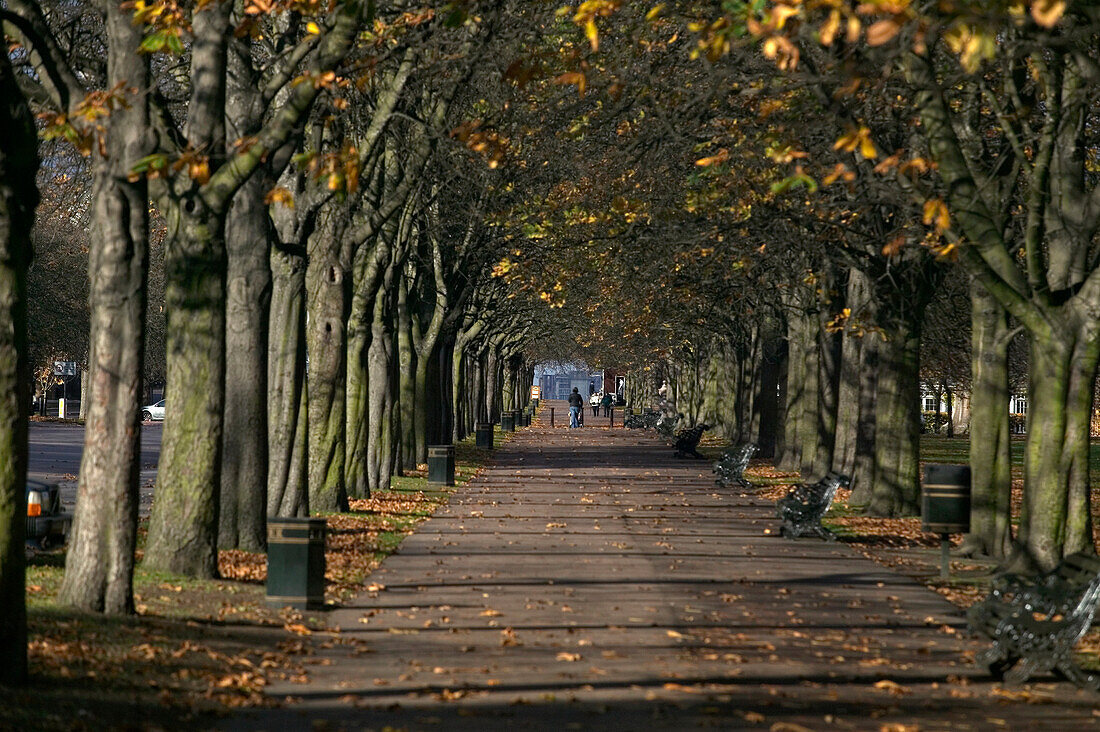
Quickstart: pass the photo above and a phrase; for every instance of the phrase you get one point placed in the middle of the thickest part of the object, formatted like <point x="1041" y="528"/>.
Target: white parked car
<point x="153" y="412"/>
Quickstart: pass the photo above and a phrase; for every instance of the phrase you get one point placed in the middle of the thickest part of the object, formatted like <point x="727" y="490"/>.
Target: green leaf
<point x="153" y="42"/>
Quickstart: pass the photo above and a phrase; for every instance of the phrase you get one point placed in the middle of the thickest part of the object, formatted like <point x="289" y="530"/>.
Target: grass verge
<point x="197" y="649"/>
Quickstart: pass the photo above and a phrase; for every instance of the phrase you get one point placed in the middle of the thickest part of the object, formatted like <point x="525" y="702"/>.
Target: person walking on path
<point x="594" y="402"/>
<point x="606" y="404"/>
<point x="576" y="404"/>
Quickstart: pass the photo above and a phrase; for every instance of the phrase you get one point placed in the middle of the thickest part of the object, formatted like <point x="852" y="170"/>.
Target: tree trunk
<point x="990" y="435"/>
<point x="287" y="455"/>
<point x="184" y="521"/>
<point x="248" y="236"/>
<point x="1055" y="519"/>
<point x="863" y="465"/>
<point x="379" y="379"/>
<point x="791" y="456"/>
<point x="406" y="386"/>
<point x="18" y="198"/>
<point x="896" y="490"/>
<point x="847" y="420"/>
<point x="99" y="564"/>
<point x="183" y="526"/>
<point x="327" y="303"/>
<point x="766" y="401"/>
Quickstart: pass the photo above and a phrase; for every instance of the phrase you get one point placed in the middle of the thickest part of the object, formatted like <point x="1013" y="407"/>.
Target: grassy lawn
<point x="201" y="647"/>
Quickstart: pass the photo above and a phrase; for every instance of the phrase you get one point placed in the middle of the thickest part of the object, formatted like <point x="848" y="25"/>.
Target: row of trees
<point x="319" y="176"/>
<point x="766" y="213"/>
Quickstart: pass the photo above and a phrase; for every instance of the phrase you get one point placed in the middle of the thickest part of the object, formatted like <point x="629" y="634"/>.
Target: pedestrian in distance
<point x="576" y="404"/>
<point x="594" y="402"/>
<point x="606" y="404"/>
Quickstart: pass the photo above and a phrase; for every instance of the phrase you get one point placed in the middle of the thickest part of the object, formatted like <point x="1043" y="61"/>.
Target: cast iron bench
<point x="730" y="468"/>
<point x="646" y="420"/>
<point x="801" y="509"/>
<point x="665" y="426"/>
<point x="687" y="441"/>
<point x="1035" y="622"/>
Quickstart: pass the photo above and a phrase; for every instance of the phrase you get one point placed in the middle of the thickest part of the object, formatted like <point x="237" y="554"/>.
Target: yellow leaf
<point x="828" y="31"/>
<point x="280" y="195"/>
<point x="592" y="34"/>
<point x="854" y="27"/>
<point x="313" y="28"/>
<point x="721" y="157"/>
<point x="654" y="11"/>
<point x="935" y="212"/>
<point x="1047" y="12"/>
<point x="867" y="148"/>
<point x="780" y="14"/>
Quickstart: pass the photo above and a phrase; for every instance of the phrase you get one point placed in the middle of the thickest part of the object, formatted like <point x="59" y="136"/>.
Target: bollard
<point x="551" y="416"/>
<point x="441" y="464"/>
<point x="296" y="562"/>
<point x="483" y="432"/>
<point x="611" y="421"/>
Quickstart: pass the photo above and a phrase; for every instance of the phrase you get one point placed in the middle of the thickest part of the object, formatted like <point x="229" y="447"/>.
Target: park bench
<point x="687" y="441"/>
<point x="646" y="420"/>
<point x="665" y="426"/>
<point x="801" y="509"/>
<point x="730" y="468"/>
<point x="1035" y="622"/>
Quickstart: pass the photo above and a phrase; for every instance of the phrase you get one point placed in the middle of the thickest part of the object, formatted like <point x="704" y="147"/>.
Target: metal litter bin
<point x="483" y="435"/>
<point x="441" y="464"/>
<point x="945" y="506"/>
<point x="507" y="421"/>
<point x="296" y="562"/>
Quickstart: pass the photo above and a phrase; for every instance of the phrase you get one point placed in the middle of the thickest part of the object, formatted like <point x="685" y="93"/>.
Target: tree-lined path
<point x="589" y="577"/>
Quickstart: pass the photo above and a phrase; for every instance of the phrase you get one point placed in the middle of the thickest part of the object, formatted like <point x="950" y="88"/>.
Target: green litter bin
<point x="441" y="464"/>
<point x="296" y="562"/>
<point x="483" y="433"/>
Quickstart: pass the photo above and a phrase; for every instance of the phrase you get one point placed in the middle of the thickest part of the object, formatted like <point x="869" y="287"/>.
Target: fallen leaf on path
<point x="892" y="686"/>
<point x="298" y="628"/>
<point x="565" y="656"/>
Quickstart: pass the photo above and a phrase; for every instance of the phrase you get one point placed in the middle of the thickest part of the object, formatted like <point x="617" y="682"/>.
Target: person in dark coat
<point x="606" y="404"/>
<point x="576" y="404"/>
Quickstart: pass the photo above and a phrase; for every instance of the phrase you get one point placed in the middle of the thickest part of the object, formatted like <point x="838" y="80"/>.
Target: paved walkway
<point x="590" y="580"/>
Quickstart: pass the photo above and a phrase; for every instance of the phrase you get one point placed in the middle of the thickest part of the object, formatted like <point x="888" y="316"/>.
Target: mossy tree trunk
<point x="896" y="488"/>
<point x="288" y="483"/>
<point x="990" y="434"/>
<point x="327" y="302"/>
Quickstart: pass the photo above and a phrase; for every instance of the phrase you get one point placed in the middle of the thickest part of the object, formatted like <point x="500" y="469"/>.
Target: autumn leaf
<point x="892" y="686"/>
<point x="1047" y="12"/>
<point x="882" y="32"/>
<point x="566" y="656"/>
<point x="935" y="211"/>
<point x="720" y="157"/>
<point x="279" y="195"/>
<point x="298" y="629"/>
<point x="894" y="246"/>
<point x="572" y="77"/>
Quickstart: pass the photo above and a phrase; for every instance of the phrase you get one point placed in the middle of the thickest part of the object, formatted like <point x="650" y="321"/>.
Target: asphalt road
<point x="55" y="449"/>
